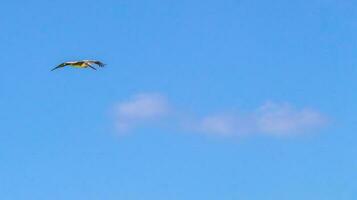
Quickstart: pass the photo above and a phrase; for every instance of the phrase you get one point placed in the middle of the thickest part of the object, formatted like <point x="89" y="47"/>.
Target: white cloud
<point x="218" y="124"/>
<point x="271" y="119"/>
<point x="277" y="119"/>
<point x="140" y="109"/>
<point x="282" y="119"/>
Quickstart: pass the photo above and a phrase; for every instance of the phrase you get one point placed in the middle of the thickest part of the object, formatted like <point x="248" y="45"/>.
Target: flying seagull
<point x="81" y="64"/>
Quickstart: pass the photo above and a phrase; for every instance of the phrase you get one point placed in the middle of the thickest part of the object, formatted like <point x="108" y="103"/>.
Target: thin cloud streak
<point x="275" y="119"/>
<point x="282" y="119"/>
<point x="269" y="119"/>
<point x="140" y="109"/>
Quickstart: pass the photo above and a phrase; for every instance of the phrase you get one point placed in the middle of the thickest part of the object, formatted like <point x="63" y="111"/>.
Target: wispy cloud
<point x="140" y="109"/>
<point x="282" y="119"/>
<point x="277" y="119"/>
<point x="270" y="118"/>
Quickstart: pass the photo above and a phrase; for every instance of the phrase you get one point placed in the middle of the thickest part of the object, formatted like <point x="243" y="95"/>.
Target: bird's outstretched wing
<point x="92" y="67"/>
<point x="100" y="64"/>
<point x="61" y="65"/>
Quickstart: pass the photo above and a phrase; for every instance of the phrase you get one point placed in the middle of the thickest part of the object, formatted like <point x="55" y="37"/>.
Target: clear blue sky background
<point x="56" y="133"/>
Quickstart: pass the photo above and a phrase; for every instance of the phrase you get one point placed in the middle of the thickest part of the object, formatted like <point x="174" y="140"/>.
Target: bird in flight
<point x="81" y="64"/>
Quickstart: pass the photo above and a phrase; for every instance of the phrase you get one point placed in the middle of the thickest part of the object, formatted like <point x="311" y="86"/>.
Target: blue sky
<point x="199" y="100"/>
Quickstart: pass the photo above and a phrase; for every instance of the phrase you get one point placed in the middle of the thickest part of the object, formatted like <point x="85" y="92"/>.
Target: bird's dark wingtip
<point x="100" y="64"/>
